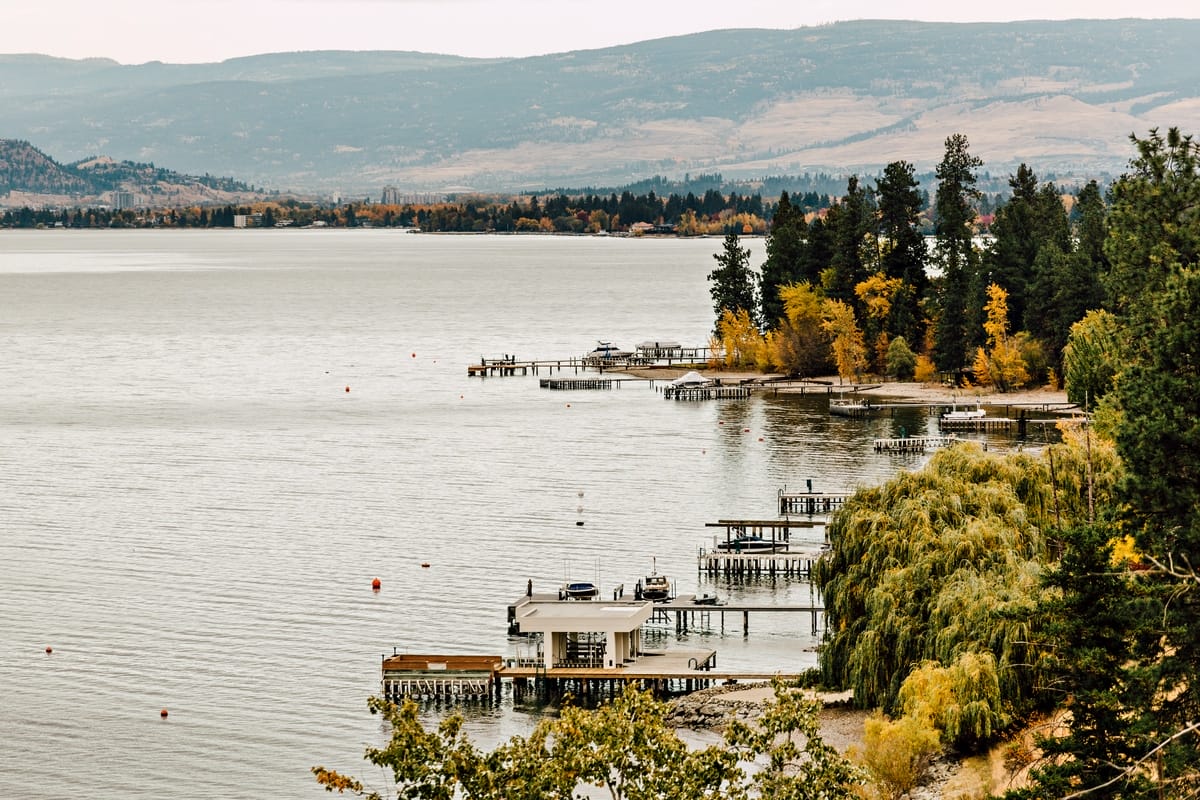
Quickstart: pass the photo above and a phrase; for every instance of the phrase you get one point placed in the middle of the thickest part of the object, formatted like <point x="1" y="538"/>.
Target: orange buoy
<point x="163" y="713"/>
<point x="568" y="405"/>
<point x="424" y="565"/>
<point x="49" y="650"/>
<point x="376" y="584"/>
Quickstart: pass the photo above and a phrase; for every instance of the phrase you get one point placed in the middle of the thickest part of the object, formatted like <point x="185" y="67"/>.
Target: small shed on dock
<point x="595" y="634"/>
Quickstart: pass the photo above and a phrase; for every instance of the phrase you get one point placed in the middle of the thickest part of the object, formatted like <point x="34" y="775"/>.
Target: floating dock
<point x="914" y="444"/>
<point x="705" y="392"/>
<point x="440" y="676"/>
<point x="983" y="424"/>
<point x="576" y="383"/>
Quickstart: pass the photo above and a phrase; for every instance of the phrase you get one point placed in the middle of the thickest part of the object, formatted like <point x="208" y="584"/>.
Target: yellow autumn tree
<point x="999" y="364"/>
<point x="740" y="339"/>
<point x="800" y="345"/>
<point x="849" y="345"/>
<point x="878" y="295"/>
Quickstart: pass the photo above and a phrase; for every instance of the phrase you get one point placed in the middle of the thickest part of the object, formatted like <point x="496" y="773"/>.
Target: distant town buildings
<point x="123" y="200"/>
<point x="394" y="197"/>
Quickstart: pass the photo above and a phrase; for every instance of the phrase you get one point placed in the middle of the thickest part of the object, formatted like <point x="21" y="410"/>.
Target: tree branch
<point x="1191" y="727"/>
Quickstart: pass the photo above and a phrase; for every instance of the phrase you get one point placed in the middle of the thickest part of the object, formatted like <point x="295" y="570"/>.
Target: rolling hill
<point x="1062" y="96"/>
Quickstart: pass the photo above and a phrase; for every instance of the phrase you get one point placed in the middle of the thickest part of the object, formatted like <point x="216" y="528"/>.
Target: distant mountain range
<point x="1062" y="96"/>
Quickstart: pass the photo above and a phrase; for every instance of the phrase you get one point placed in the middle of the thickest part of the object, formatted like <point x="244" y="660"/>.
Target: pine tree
<point x="956" y="254"/>
<point x="732" y="281"/>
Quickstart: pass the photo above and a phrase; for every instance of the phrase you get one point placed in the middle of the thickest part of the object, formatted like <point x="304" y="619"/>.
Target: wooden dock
<point x="440" y="676"/>
<point x="687" y="613"/>
<point x="811" y="503"/>
<point x="914" y="444"/>
<point x="705" y="392"/>
<point x="577" y="383"/>
<point x="983" y="424"/>
<point x="751" y="565"/>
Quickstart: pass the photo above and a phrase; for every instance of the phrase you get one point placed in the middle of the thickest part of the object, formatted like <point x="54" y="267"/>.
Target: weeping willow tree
<point x="941" y="569"/>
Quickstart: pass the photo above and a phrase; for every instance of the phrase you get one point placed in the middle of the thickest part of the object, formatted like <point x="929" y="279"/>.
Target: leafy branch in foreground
<point x="624" y="747"/>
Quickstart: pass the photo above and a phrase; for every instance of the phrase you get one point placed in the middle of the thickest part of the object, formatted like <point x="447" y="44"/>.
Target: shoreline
<point x="926" y="393"/>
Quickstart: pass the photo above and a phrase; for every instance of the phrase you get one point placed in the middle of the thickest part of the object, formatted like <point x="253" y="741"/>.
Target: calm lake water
<point x="194" y="507"/>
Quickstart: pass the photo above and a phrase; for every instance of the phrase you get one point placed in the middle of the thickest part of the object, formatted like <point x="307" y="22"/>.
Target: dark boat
<point x="752" y="544"/>
<point x="579" y="590"/>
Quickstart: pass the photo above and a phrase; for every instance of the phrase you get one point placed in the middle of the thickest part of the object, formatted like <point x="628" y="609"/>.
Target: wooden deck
<point x="914" y="444"/>
<point x="705" y="392"/>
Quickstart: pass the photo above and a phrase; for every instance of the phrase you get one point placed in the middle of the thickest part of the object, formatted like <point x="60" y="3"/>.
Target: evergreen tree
<point x="957" y="257"/>
<point x="851" y="223"/>
<point x="1010" y="258"/>
<point x="785" y="254"/>
<point x="904" y="251"/>
<point x="732" y="281"/>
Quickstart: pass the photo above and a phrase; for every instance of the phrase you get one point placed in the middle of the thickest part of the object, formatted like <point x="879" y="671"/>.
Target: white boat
<point x="607" y="351"/>
<point x="964" y="415"/>
<point x="692" y="379"/>
<point x="655" y="586"/>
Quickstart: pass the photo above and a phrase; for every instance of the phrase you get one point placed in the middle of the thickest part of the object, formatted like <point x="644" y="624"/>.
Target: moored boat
<point x="656" y="587"/>
<point x="752" y="544"/>
<point x="966" y="414"/>
<point x="578" y="590"/>
<point x="605" y="352"/>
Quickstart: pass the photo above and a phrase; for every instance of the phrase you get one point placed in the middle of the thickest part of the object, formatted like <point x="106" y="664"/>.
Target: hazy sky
<point x="135" y="31"/>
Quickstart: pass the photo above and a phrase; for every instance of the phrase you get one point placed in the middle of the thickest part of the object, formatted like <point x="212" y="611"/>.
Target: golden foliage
<point x="740" y="339"/>
<point x="849" y="349"/>
<point x="877" y="293"/>
<point x="1001" y="364"/>
<point x="926" y="372"/>
<point x="897" y="753"/>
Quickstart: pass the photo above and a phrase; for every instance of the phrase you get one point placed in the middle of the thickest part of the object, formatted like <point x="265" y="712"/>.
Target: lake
<point x="213" y="441"/>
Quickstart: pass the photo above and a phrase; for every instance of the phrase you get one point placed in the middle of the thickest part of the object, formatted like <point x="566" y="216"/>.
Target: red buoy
<point x="414" y="355"/>
<point x="49" y="650"/>
<point x="424" y="565"/>
<point x="376" y="584"/>
<point x="163" y="713"/>
<point x="347" y="388"/>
